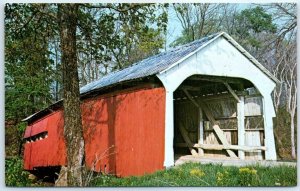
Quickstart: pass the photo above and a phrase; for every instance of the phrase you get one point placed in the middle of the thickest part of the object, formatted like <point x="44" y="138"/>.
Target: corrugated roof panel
<point x="148" y="66"/>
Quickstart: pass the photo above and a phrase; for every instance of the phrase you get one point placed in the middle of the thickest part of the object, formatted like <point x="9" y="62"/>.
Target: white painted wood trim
<point x="270" y="153"/>
<point x="169" y="130"/>
<point x="201" y="132"/>
<point x="241" y="125"/>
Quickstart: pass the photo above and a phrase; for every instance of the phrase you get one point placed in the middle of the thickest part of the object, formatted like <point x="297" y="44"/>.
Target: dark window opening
<point x="37" y="137"/>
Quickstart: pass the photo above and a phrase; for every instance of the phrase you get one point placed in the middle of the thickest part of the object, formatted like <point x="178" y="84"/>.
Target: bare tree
<point x="291" y="91"/>
<point x="284" y="66"/>
<point x="199" y="19"/>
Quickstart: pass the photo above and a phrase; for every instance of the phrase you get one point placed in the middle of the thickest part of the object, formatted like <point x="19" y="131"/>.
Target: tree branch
<point x="110" y="6"/>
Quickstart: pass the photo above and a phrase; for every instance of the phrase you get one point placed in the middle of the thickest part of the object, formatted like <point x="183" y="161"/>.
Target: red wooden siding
<point x="124" y="134"/>
<point x="49" y="151"/>
<point x="36" y="128"/>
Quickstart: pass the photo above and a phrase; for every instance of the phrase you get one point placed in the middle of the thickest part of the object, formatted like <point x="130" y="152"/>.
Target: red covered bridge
<point x="136" y="120"/>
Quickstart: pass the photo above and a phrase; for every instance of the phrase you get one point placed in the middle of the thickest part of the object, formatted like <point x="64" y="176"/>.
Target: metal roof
<point x="147" y="67"/>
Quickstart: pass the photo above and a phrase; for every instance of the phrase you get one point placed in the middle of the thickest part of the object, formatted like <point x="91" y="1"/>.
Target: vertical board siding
<point x="140" y="133"/>
<point x="253" y="106"/>
<point x="223" y="108"/>
<point x="253" y="139"/>
<point x="97" y="135"/>
<point x="49" y="151"/>
<point x="123" y="133"/>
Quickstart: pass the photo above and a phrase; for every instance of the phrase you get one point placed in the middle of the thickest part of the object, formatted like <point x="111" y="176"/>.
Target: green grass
<point x="193" y="174"/>
<point x="189" y="174"/>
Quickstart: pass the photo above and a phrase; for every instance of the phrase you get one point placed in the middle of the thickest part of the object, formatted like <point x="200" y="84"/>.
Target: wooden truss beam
<point x="232" y="92"/>
<point x="186" y="138"/>
<point x="210" y="117"/>
<point x="221" y="96"/>
<point x="191" y="98"/>
<point x="217" y="79"/>
<point x="222" y="147"/>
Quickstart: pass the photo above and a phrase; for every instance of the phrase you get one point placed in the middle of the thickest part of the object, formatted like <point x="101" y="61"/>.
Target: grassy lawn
<point x="194" y="174"/>
<point x="189" y="174"/>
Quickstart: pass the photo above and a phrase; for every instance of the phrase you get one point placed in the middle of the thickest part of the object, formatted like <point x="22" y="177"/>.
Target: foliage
<point x="111" y="38"/>
<point x="253" y="28"/>
<point x="256" y="20"/>
<point x="14" y="173"/>
<point x="193" y="174"/>
<point x="28" y="68"/>
<point x="14" y="138"/>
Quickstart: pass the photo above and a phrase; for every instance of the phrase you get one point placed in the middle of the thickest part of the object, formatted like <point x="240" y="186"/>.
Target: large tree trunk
<point x="67" y="15"/>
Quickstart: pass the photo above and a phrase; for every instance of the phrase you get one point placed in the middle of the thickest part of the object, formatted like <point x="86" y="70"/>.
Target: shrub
<point x="14" y="173"/>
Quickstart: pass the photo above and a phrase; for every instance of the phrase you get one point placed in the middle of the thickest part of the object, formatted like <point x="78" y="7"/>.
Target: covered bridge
<point x="208" y="98"/>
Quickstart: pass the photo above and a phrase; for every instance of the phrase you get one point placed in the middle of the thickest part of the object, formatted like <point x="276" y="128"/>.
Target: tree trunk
<point x="56" y="68"/>
<point x="67" y="16"/>
<point x="293" y="137"/>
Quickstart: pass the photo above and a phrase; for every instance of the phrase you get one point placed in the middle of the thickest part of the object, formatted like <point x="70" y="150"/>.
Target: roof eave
<point x="39" y="113"/>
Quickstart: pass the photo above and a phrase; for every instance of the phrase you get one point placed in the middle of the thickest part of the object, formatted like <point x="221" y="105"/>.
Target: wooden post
<point x="270" y="153"/>
<point x="200" y="132"/>
<point x="241" y="126"/>
<point x="210" y="117"/>
<point x="169" y="130"/>
<point x="186" y="138"/>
